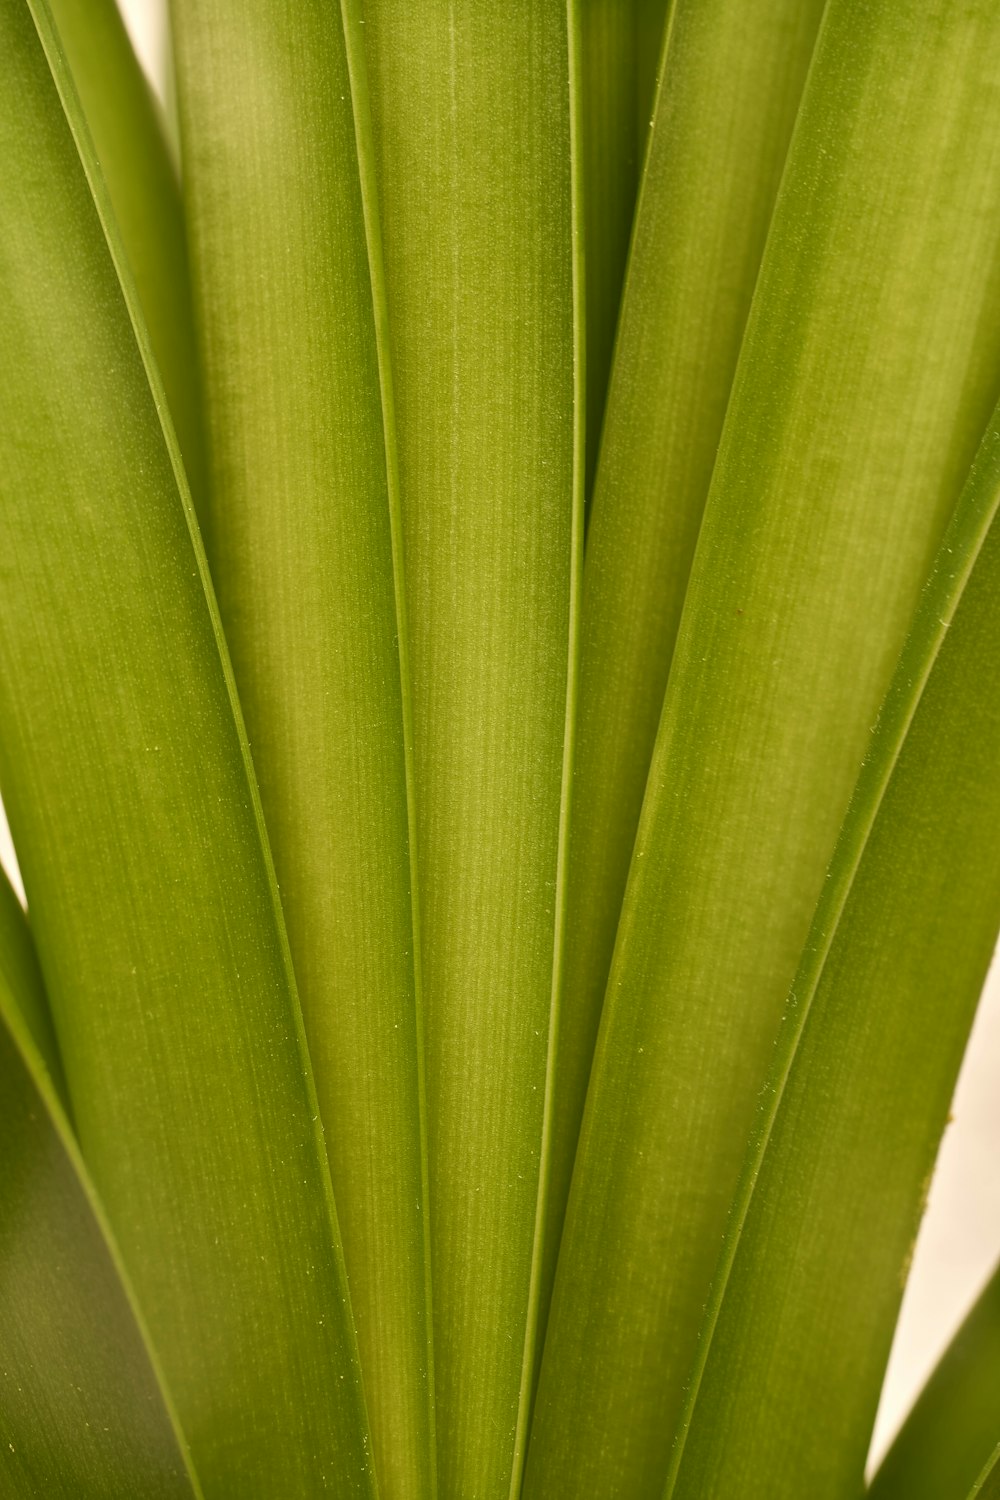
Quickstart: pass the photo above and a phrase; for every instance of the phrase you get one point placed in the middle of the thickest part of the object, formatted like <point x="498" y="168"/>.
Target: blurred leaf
<point x="126" y="776"/>
<point x="711" y="175"/>
<point x="800" y="1324"/>
<point x="304" y="530"/>
<point x="471" y="108"/>
<point x="987" y="1487"/>
<point x="939" y="1452"/>
<point x="124" y="123"/>
<point x="869" y="368"/>
<point x="83" y="1414"/>
<point x="20" y="972"/>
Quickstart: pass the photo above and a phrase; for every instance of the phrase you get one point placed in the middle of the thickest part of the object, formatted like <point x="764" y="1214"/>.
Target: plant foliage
<point x="499" y="707"/>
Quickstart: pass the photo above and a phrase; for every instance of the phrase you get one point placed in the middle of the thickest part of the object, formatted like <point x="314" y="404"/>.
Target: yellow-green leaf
<point x="471" y="108"/>
<point x="126" y="775"/>
<point x="305" y="550"/>
<point x="869" y="369"/>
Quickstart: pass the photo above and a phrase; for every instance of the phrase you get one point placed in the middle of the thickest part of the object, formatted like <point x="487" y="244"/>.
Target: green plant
<point x="491" y="1004"/>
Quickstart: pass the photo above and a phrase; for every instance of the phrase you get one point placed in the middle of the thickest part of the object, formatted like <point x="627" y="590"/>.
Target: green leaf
<point x="800" y="1324"/>
<point x="940" y="1450"/>
<point x="306" y="552"/>
<point x="649" y="20"/>
<point x="471" y="108"/>
<point x="609" y="153"/>
<point x="128" y="136"/>
<point x="83" y="1413"/>
<point x="732" y="76"/>
<point x="868" y="372"/>
<point x="20" y="972"/>
<point x="127" y="779"/>
<point x="987" y="1487"/>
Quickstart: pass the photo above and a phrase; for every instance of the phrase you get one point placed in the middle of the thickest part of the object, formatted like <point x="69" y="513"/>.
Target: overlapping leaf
<point x="801" y="1320"/>
<point x="306" y="557"/>
<point x="941" y="1449"/>
<point x="868" y="372"/>
<point x="733" y="73"/>
<point x="133" y="807"/>
<point x="471" y="108"/>
<point x="128" y="136"/>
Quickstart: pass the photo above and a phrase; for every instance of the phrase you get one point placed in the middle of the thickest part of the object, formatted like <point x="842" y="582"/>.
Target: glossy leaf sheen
<point x="711" y="174"/>
<point x="301" y="545"/>
<point x="952" y="1430"/>
<point x="134" y="813"/>
<point x="868" y="372"/>
<point x="471" y="114"/>
<point x="801" y="1322"/>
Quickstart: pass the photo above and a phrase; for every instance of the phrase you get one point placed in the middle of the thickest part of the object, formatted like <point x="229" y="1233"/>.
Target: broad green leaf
<point x="141" y="180"/>
<point x="126" y="775"/>
<point x="83" y="1413"/>
<point x="471" y="107"/>
<point x="732" y="77"/>
<point x="20" y="972"/>
<point x="800" y="1323"/>
<point x="304" y="548"/>
<point x="952" y="1430"/>
<point x="868" y="372"/>
<point x="610" y="172"/>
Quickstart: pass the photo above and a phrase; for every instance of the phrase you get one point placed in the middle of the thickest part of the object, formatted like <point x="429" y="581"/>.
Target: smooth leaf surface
<point x="128" y="135"/>
<point x="303" y="534"/>
<point x="609" y="149"/>
<point x="133" y="808"/>
<point x="868" y="372"/>
<point x="801" y="1320"/>
<point x="650" y="18"/>
<point x="471" y="108"/>
<point x="940" y="1450"/>
<point x="83" y="1414"/>
<point x="732" y="77"/>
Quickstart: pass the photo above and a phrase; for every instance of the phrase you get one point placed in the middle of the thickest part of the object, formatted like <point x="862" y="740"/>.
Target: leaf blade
<point x="145" y="196"/>
<point x="471" y="118"/>
<point x="790" y="630"/>
<point x="84" y="1413"/>
<point x="941" y="1448"/>
<point x="866" y="1066"/>
<point x="709" y="183"/>
<point x="181" y="982"/>
<point x="305" y="556"/>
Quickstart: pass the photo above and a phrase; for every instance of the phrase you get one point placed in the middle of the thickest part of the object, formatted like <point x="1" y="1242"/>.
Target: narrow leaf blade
<point x="142" y="184"/>
<point x="126" y="776"/>
<point x="732" y="76"/>
<point x="471" y="113"/>
<point x="883" y="246"/>
<point x="940" y="1450"/>
<point x="801" y="1322"/>
<point x="303" y="552"/>
<point x="83" y="1414"/>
